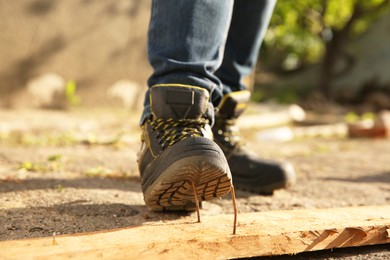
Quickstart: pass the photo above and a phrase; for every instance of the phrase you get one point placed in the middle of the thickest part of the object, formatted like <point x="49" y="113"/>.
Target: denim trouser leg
<point x="248" y="26"/>
<point x="187" y="39"/>
<point x="186" y="42"/>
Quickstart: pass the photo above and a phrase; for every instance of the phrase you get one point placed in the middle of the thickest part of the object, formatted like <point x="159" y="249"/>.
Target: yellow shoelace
<point x="171" y="131"/>
<point x="226" y="128"/>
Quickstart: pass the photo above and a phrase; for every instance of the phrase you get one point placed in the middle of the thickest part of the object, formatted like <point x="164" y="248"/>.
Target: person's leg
<point x="186" y="42"/>
<point x="179" y="162"/>
<point x="249" y="23"/>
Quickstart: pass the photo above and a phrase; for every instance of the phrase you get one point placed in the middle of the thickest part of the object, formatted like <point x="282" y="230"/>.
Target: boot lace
<point x="227" y="133"/>
<point x="170" y="131"/>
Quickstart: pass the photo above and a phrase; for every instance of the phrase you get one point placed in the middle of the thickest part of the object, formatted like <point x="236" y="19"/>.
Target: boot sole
<point x="172" y="190"/>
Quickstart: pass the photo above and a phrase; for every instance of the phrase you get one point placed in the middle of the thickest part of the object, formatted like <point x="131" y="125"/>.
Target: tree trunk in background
<point x="349" y="72"/>
<point x="368" y="64"/>
<point x="335" y="51"/>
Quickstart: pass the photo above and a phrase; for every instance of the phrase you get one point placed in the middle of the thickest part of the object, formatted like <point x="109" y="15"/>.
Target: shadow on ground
<point x="131" y="183"/>
<point x="364" y="252"/>
<point x="76" y="217"/>
<point x="371" y="178"/>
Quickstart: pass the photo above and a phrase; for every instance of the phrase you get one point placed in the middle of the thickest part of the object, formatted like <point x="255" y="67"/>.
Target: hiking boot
<point x="178" y="154"/>
<point x="249" y="172"/>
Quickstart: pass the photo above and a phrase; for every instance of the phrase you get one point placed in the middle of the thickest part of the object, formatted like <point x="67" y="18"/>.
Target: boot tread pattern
<point x="177" y="193"/>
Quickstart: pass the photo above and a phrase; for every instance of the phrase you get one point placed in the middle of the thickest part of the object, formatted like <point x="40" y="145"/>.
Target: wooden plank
<point x="258" y="234"/>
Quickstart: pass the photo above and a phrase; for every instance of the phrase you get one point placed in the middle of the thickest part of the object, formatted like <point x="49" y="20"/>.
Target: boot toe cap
<point x="262" y="176"/>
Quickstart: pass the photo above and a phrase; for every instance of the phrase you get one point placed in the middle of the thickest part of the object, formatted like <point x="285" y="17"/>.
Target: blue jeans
<point x="212" y="44"/>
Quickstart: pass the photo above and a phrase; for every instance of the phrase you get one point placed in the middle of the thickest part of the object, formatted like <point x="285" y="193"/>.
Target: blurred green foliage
<point x="300" y="29"/>
<point x="70" y="92"/>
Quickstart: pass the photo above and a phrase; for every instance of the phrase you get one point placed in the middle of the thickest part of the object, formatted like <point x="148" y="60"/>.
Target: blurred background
<point x="58" y="54"/>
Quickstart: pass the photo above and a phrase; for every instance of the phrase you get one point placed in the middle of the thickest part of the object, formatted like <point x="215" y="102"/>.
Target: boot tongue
<point x="233" y="104"/>
<point x="178" y="102"/>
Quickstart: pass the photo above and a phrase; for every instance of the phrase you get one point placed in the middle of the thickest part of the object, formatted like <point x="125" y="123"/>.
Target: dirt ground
<point x="75" y="171"/>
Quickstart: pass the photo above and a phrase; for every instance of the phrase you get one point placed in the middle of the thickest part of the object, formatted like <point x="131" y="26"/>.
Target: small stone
<point x="48" y="91"/>
<point x="127" y="92"/>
